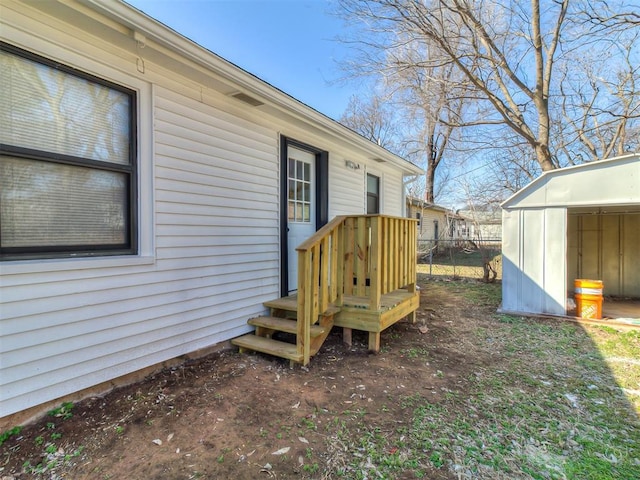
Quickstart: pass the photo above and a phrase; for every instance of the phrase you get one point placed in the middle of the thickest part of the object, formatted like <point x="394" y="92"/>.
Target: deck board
<point x="290" y="304"/>
<point x="394" y="306"/>
<point x="387" y="301"/>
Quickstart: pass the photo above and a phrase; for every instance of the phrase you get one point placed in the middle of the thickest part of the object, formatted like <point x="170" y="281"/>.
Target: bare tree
<point x="427" y="99"/>
<point x="601" y="108"/>
<point x="506" y="51"/>
<point x="544" y="83"/>
<point x="373" y="118"/>
<point x="611" y="14"/>
<point x="432" y="102"/>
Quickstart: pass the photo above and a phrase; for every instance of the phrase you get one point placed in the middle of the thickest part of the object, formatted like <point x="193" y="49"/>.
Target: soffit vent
<point x="243" y="97"/>
<point x="378" y="159"/>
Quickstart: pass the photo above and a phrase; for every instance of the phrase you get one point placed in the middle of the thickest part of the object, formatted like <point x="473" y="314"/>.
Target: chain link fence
<point x="455" y="259"/>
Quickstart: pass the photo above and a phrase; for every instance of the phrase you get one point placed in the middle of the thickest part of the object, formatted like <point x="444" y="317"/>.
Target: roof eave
<point x="152" y="29"/>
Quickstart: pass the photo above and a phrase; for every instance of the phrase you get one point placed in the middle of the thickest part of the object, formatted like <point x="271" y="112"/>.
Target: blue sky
<point x="290" y="44"/>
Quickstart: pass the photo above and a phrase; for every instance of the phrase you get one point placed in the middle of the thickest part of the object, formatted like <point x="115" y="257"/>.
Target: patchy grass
<point x="463" y="394"/>
<point x="550" y="407"/>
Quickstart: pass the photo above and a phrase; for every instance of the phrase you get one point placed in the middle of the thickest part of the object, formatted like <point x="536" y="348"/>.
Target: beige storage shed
<point x="572" y="223"/>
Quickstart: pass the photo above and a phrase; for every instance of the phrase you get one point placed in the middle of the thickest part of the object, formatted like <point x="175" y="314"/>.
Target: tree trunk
<point x="430" y="176"/>
<point x="543" y="155"/>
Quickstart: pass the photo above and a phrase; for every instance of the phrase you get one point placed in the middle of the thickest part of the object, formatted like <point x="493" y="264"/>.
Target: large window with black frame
<point x="67" y="161"/>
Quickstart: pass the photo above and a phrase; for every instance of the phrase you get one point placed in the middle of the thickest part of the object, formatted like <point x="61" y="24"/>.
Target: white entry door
<point x="301" y="208"/>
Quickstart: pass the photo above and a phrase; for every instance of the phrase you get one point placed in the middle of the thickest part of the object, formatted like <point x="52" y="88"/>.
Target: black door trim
<point x="322" y="200"/>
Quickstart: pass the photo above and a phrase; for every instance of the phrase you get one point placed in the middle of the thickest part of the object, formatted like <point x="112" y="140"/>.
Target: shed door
<point x="301" y="208"/>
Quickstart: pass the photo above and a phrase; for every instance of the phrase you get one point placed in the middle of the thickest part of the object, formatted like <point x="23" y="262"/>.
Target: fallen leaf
<point x="157" y="441"/>
<point x="169" y="437"/>
<point x="282" y="451"/>
<point x="423" y="329"/>
<point x="303" y="440"/>
<point x="296" y="405"/>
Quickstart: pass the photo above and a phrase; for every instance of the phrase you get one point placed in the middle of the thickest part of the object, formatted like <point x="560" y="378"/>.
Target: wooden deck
<point x="357" y="272"/>
<point x="356" y="315"/>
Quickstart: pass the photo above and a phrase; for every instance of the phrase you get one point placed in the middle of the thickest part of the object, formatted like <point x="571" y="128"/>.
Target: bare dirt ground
<point x="233" y="416"/>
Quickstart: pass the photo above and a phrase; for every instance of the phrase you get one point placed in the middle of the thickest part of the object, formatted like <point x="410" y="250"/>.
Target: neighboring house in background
<point x="485" y="226"/>
<point x="437" y="223"/>
<point x="203" y="177"/>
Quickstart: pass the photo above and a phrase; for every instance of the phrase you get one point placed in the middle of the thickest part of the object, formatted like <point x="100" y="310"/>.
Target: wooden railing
<point x="363" y="256"/>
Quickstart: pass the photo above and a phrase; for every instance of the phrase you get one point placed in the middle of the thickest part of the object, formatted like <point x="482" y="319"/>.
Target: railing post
<point x="413" y="256"/>
<point x="375" y="250"/>
<point x="392" y="274"/>
<point x="305" y="304"/>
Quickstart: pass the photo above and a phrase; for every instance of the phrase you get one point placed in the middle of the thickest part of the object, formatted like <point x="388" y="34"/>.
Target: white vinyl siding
<point x="346" y="188"/>
<point x="216" y="203"/>
<point x="208" y="218"/>
<point x="393" y="198"/>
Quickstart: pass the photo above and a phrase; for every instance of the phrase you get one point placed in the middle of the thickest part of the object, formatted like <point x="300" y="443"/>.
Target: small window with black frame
<point x="373" y="194"/>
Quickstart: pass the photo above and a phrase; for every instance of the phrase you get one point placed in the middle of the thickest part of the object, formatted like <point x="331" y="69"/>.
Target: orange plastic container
<point x="588" y="296"/>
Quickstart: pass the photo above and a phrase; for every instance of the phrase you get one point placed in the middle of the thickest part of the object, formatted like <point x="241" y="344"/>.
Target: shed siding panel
<point x="572" y="251"/>
<point x="631" y="256"/>
<point x="611" y="254"/>
<point x="511" y="267"/>
<point x="532" y="260"/>
<point x="535" y="270"/>
<point x="606" y="248"/>
<point x="554" y="248"/>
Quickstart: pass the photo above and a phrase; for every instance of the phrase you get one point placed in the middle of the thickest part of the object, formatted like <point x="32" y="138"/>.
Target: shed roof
<point x="611" y="182"/>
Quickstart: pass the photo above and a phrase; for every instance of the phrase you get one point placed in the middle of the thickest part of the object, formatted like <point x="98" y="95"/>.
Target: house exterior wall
<point x="486" y="231"/>
<point x="209" y="226"/>
<point x="428" y="217"/>
<point x="347" y="187"/>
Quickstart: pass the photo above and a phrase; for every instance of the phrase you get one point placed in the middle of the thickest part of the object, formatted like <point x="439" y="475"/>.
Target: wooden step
<point x="284" y="325"/>
<point x="290" y="304"/>
<point x="268" y="345"/>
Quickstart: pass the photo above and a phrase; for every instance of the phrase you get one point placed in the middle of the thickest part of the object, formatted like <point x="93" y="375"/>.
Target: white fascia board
<point x="154" y="31"/>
